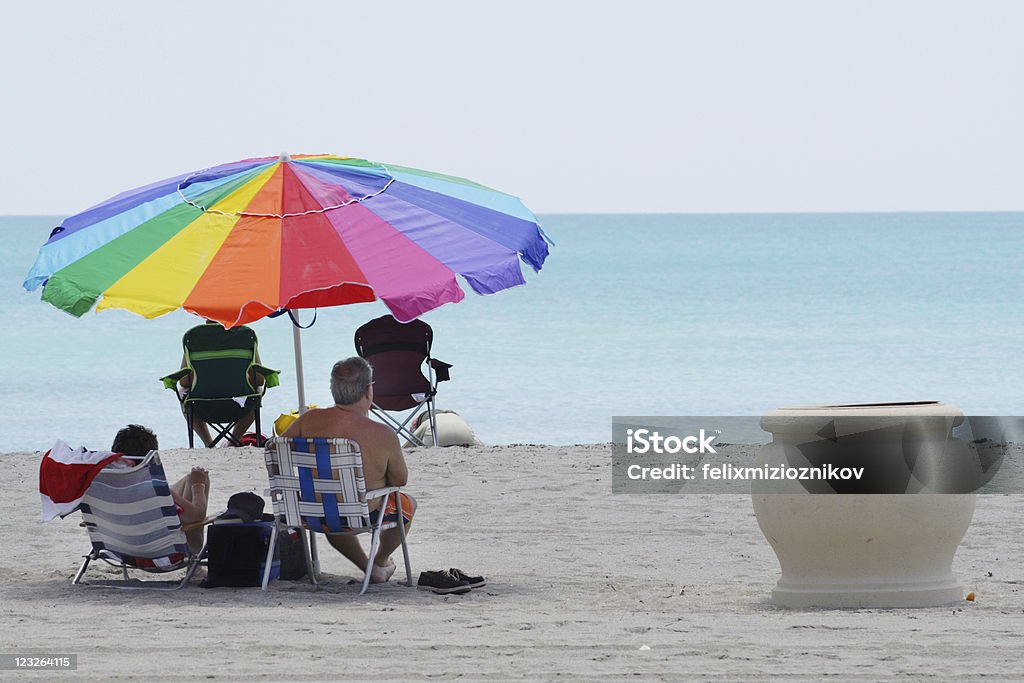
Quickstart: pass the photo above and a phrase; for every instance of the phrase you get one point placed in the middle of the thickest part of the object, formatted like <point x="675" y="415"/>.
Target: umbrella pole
<point x="297" y="343"/>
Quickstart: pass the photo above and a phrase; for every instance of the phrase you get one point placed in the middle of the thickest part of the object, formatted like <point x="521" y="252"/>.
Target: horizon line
<point x="676" y="213"/>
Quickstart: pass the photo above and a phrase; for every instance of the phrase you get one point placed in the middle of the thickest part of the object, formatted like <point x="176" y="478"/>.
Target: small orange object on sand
<point x="970" y="597"/>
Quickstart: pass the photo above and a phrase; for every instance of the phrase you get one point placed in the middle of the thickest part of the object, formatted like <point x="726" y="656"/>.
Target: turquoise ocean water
<point x="632" y="315"/>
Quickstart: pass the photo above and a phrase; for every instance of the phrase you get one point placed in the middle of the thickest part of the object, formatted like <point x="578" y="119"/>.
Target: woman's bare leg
<point x="191" y="492"/>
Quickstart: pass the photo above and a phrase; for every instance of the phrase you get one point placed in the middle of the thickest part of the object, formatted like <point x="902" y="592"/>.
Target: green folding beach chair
<point x="221" y="393"/>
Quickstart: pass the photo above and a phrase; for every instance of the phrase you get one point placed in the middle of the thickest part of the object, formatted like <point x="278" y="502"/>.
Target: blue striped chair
<point x="132" y="523"/>
<point x="317" y="484"/>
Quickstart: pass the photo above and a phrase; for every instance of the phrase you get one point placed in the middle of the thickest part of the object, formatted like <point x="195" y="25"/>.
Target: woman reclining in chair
<point x="190" y="493"/>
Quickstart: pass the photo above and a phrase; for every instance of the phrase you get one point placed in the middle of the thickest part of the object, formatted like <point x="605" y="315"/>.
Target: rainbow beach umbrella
<point x="240" y="241"/>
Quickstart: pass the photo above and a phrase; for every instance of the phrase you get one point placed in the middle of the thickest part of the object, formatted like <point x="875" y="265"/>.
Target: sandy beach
<point x="581" y="584"/>
<point x="584" y="219"/>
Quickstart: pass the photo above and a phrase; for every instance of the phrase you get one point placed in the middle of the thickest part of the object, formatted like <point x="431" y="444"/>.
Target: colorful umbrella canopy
<point x="236" y="242"/>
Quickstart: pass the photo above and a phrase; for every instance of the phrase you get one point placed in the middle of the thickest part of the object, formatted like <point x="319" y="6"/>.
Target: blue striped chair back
<point x="318" y="482"/>
<point x="130" y="512"/>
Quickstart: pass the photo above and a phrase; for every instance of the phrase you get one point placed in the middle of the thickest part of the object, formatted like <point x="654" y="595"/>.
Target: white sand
<point x="578" y="581"/>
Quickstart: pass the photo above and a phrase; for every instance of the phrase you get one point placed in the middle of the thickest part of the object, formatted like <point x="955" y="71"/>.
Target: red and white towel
<point x="64" y="476"/>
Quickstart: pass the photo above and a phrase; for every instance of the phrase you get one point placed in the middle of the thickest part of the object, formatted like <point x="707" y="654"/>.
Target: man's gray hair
<point x="349" y="380"/>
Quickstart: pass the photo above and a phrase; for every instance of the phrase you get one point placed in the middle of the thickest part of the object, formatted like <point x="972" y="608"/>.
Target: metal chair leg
<point x="401" y="533"/>
<point x="314" y="553"/>
<point x="371" y="556"/>
<point x="81" y="570"/>
<point x="432" y="415"/>
<point x="308" y="546"/>
<point x="268" y="563"/>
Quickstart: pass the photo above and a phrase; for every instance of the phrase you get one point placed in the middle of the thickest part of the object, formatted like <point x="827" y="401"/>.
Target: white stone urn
<point x="864" y="549"/>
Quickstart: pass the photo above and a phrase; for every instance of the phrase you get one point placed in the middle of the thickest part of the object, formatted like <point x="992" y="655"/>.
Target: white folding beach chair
<point x="317" y="484"/>
<point x="132" y="523"/>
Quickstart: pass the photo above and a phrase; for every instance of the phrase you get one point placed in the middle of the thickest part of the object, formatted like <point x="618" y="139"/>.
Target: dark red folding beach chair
<point x="397" y="352"/>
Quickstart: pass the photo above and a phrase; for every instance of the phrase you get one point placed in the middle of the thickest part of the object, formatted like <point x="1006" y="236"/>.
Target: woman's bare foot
<point x="383" y="574"/>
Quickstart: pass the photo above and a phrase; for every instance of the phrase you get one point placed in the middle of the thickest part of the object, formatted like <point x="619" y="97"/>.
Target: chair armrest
<point x="441" y="369"/>
<point x="209" y="520"/>
<point x="377" y="493"/>
<point x="270" y="376"/>
<point x="171" y="380"/>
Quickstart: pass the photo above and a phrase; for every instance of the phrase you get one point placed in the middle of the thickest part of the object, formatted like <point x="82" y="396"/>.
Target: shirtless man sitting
<point x="383" y="462"/>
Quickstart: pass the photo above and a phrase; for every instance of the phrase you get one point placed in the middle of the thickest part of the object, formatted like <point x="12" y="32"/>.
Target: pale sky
<point x="640" y="106"/>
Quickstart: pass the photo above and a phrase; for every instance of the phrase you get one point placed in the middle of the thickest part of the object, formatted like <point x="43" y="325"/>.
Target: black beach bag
<point x="237" y="553"/>
<point x="237" y="544"/>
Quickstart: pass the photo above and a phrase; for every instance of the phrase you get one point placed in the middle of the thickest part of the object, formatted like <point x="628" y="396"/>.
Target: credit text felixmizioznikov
<point x="733" y="473"/>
